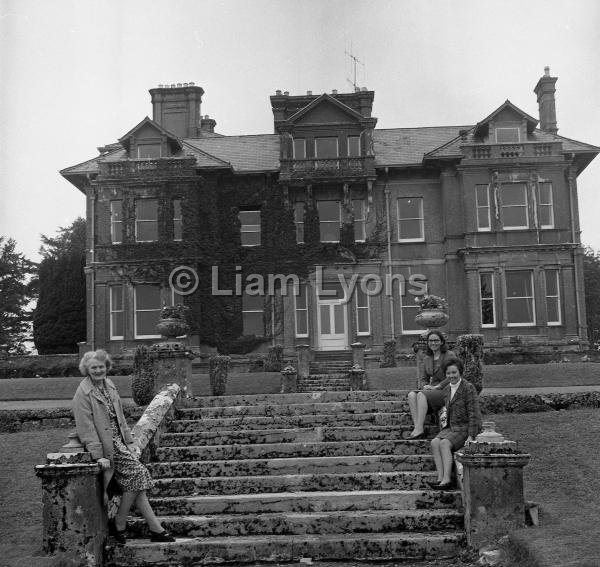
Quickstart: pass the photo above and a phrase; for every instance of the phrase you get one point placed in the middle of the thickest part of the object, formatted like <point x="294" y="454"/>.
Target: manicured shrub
<point x="389" y="354"/>
<point x="218" y="369"/>
<point x="274" y="360"/>
<point x="469" y="349"/>
<point x="142" y="379"/>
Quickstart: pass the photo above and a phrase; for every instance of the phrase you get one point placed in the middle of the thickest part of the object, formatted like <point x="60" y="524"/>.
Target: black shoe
<point x="117" y="535"/>
<point x="163" y="536"/>
<point x="433" y="483"/>
<point x="415" y="437"/>
<point x="445" y="486"/>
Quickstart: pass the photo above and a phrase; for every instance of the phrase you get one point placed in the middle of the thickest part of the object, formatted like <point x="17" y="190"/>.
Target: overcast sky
<point x="75" y="74"/>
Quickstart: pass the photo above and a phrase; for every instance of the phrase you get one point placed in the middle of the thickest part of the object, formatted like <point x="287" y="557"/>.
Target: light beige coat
<point x="93" y="422"/>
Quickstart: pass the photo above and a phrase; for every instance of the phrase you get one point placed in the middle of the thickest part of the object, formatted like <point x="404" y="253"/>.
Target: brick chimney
<point x="207" y="124"/>
<point x="545" y="90"/>
<point x="176" y="108"/>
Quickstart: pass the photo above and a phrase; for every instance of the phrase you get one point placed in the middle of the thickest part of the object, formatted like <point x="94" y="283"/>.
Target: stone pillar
<point x="3" y="352"/>
<point x="469" y="349"/>
<point x="358" y="378"/>
<point x="74" y="518"/>
<point x="289" y="380"/>
<point x="303" y="354"/>
<point x="358" y="354"/>
<point x="492" y="487"/>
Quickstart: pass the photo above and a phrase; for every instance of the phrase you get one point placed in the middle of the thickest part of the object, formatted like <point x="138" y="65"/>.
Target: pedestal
<point x="303" y="356"/>
<point x="357" y="378"/>
<point x="358" y="354"/>
<point x="74" y="520"/>
<point x="289" y="380"/>
<point x="172" y="362"/>
<point x="492" y="490"/>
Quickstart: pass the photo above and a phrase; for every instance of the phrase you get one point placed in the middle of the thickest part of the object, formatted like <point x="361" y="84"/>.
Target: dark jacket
<point x="463" y="413"/>
<point x="434" y="375"/>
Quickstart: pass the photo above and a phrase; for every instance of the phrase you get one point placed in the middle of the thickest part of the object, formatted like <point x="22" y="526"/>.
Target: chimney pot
<point x="364" y="89"/>
<point x="178" y="84"/>
<point x="309" y="93"/>
<point x="334" y="91"/>
<point x="286" y="93"/>
<point x="192" y="84"/>
<point x="172" y="85"/>
<point x="160" y="86"/>
<point x="278" y="92"/>
<point x="185" y="84"/>
<point x="547" y="71"/>
<point x="356" y="89"/>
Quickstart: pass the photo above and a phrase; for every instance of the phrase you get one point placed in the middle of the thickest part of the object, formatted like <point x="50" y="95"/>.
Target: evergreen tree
<point x="16" y="291"/>
<point x="59" y="320"/>
<point x="591" y="276"/>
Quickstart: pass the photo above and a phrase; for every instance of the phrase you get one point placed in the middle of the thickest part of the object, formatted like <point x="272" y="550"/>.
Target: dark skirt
<point x="456" y="437"/>
<point x="435" y="400"/>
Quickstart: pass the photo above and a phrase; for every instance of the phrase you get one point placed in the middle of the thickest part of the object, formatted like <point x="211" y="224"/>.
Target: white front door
<point x="333" y="323"/>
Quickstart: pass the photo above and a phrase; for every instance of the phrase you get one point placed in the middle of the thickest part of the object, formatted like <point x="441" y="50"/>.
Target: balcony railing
<point x="327" y="167"/>
<point x="512" y="151"/>
<point x="143" y="167"/>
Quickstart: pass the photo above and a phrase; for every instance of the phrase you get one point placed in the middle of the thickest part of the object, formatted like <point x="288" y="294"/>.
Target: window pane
<point x="116" y="221"/>
<point x="326" y="147"/>
<point x="545" y="193"/>
<point x="486" y="286"/>
<point x="546" y="215"/>
<point x="553" y="309"/>
<point x="518" y="284"/>
<point x="353" y="146"/>
<point x="362" y="300"/>
<point x="483" y="220"/>
<point x="507" y="135"/>
<point x="329" y="232"/>
<point x="325" y="323"/>
<point x="301" y="322"/>
<point x="147" y="297"/>
<point x="146" y="209"/>
<point x="482" y="195"/>
<point x="301" y="297"/>
<point x="514" y="194"/>
<point x="520" y="310"/>
<point x="299" y="220"/>
<point x="329" y="210"/>
<point x="338" y="315"/>
<point x="250" y="217"/>
<point x="408" y="316"/>
<point x="410" y="229"/>
<point x="250" y="238"/>
<point x="149" y="151"/>
<point x="146" y="231"/>
<point x="146" y="322"/>
<point x="253" y="324"/>
<point x="116" y="298"/>
<point x="253" y="302"/>
<point x="299" y="148"/>
<point x="331" y="290"/>
<point x="514" y="216"/>
<point x="363" y="320"/>
<point x="551" y="282"/>
<point x="410" y="208"/>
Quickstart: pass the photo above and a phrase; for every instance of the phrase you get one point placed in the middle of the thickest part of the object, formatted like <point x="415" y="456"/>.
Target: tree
<point x="591" y="278"/>
<point x="59" y="320"/>
<point x="16" y="291"/>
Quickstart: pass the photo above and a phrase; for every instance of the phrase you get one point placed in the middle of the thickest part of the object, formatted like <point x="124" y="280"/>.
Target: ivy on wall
<point x="211" y="237"/>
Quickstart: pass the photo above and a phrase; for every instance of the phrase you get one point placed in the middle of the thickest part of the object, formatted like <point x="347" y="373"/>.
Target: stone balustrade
<point x="511" y="151"/>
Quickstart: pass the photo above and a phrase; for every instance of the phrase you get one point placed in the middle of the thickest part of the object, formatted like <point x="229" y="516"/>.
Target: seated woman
<point x="463" y="422"/>
<point x="430" y="397"/>
<point x="102" y="428"/>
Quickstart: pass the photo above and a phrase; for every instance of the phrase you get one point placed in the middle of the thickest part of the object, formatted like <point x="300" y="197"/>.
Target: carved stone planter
<point x="172" y="327"/>
<point x="432" y="318"/>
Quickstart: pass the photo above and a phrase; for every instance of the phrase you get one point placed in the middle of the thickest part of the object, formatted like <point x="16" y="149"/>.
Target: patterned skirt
<point x="130" y="474"/>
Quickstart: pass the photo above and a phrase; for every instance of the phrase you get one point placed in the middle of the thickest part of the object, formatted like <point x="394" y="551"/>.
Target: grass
<point x="563" y="477"/>
<point x="495" y="376"/>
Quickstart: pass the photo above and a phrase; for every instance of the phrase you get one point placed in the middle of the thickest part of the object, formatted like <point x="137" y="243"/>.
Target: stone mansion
<point x="351" y="219"/>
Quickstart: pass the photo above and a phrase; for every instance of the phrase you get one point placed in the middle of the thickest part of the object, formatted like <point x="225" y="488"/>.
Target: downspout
<point x="386" y="192"/>
<point x="573" y="240"/>
<point x="92" y="268"/>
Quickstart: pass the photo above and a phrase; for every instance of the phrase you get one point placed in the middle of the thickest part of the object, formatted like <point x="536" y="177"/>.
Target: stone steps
<point x="278" y="435"/>
<point x="282" y="548"/>
<point x="277" y="477"/>
<point x="295" y="465"/>
<point x="295" y="409"/>
<point x="300" y="523"/>
<point x="283" y="450"/>
<point x="191" y="486"/>
<point x="305" y="502"/>
<point x="342" y="419"/>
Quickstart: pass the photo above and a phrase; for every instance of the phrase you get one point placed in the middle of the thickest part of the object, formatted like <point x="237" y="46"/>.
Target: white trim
<point x="362" y="219"/>
<point x="140" y="145"/>
<point x="478" y="207"/>
<point x="245" y="228"/>
<point x="550" y="204"/>
<point x="525" y="206"/>
<point x="532" y="297"/>
<point x="348" y="138"/>
<point x="135" y="311"/>
<point x="339" y="219"/>
<point x="556" y="272"/>
<point x="138" y="220"/>
<point x="420" y="218"/>
<point x="261" y="311"/>
<point x="304" y="309"/>
<point x="112" y="311"/>
<point x="404" y="331"/>
<point x="358" y="290"/>
<point x="178" y="219"/>
<point x="301" y="205"/>
<point x="492" y="299"/>
<point x="294" y="140"/>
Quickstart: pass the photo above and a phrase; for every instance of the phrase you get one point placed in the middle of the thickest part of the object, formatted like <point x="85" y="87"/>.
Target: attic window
<point x="507" y="135"/>
<point x="149" y="151"/>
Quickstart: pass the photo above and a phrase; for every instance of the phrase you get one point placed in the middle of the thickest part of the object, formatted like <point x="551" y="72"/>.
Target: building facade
<point x="324" y="232"/>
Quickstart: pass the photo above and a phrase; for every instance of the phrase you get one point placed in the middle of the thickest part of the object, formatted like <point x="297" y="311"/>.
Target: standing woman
<point x="430" y="397"/>
<point x="102" y="428"/>
<point x="463" y="422"/>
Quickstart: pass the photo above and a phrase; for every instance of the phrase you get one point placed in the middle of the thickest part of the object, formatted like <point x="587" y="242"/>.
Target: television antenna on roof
<point x="354" y="61"/>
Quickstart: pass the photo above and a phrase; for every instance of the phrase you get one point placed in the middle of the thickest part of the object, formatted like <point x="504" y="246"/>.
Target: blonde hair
<point x="101" y="355"/>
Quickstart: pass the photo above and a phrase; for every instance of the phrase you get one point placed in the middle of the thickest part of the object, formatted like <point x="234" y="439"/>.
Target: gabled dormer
<point x="508" y="124"/>
<point x="149" y="140"/>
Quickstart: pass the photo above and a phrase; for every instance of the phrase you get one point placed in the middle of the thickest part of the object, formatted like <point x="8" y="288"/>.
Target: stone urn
<point x="171" y="327"/>
<point x="432" y="318"/>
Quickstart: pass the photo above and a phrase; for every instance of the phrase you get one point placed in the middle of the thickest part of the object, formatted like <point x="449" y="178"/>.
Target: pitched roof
<point x="320" y="99"/>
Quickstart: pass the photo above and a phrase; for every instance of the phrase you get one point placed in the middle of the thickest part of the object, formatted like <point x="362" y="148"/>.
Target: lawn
<point x="563" y="477"/>
<point x="402" y="378"/>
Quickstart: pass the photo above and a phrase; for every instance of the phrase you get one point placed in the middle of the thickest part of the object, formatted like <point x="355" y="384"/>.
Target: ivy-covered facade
<point x="323" y="232"/>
